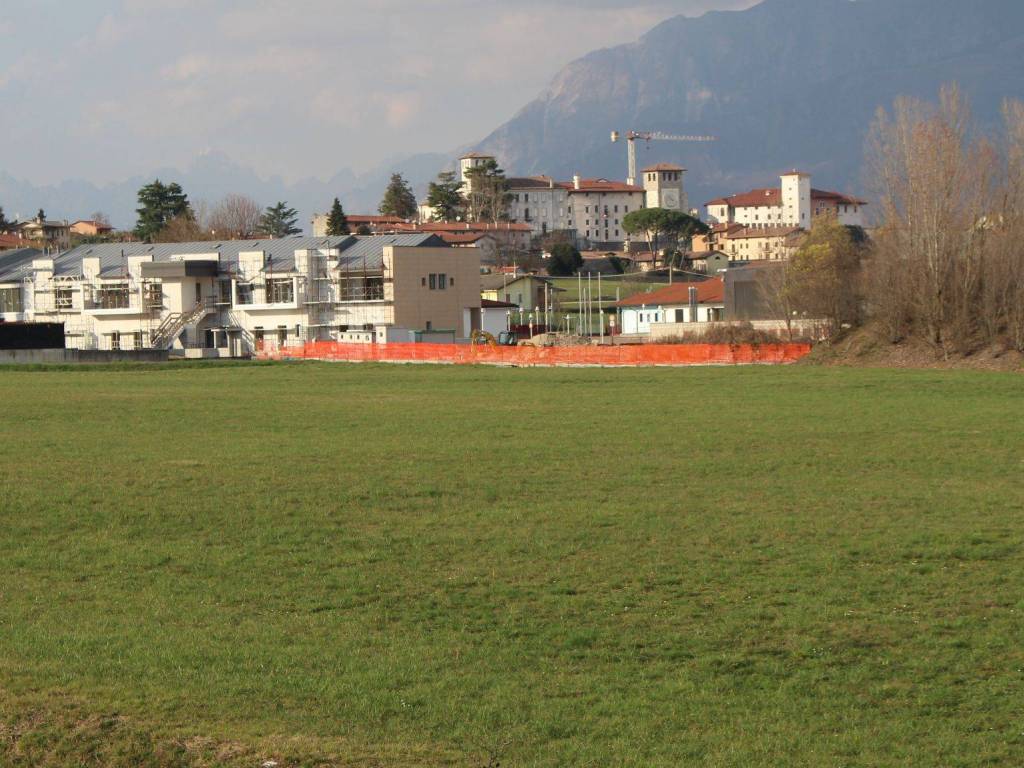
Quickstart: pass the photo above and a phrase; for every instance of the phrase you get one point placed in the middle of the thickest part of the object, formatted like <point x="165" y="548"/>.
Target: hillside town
<point x="483" y="257"/>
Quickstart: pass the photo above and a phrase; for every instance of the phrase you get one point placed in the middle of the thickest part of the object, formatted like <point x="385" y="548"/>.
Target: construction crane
<point x="649" y="136"/>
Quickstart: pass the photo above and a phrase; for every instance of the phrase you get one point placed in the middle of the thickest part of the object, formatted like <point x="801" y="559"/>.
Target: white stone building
<point x="597" y="208"/>
<point x="702" y="302"/>
<point x="541" y="202"/>
<point x="233" y="298"/>
<point x="795" y="203"/>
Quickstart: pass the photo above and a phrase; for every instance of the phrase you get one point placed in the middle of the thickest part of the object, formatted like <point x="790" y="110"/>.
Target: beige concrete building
<point x="90" y="228"/>
<point x="46" y="234"/>
<point x="741" y="243"/>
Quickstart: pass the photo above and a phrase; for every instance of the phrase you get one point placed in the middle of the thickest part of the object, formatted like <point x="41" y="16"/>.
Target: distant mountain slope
<point x="786" y="83"/>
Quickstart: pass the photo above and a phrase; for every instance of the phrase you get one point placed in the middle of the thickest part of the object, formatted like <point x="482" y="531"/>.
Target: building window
<point x="153" y="295"/>
<point x="433" y="282"/>
<point x="113" y="298"/>
<point x="115" y="341"/>
<point x="361" y="289"/>
<point x="10" y="300"/>
<point x="243" y="292"/>
<point x="224" y="292"/>
<point x="442" y="281"/>
<point x="280" y="291"/>
<point x="451" y="282"/>
<point x="63" y="298"/>
<point x="137" y="340"/>
<point x="282" y="334"/>
<point x="257" y="335"/>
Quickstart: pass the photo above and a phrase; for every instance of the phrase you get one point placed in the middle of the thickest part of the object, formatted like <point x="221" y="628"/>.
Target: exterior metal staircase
<point x="172" y="326"/>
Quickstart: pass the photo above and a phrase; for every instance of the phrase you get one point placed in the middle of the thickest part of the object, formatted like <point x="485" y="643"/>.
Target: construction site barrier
<point x="638" y="355"/>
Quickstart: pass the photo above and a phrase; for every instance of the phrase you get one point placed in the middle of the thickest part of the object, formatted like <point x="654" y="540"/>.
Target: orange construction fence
<point x="637" y="355"/>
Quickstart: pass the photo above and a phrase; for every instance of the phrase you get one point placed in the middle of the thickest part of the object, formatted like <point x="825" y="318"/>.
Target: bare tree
<point x="235" y="217"/>
<point x="775" y="289"/>
<point x="934" y="187"/>
<point x="180" y="229"/>
<point x="948" y="264"/>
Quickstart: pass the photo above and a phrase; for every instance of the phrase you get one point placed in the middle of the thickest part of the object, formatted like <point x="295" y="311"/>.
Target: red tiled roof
<point x="753" y="198"/>
<point x="663" y="167"/>
<point x="708" y="292"/>
<point x="358" y="219"/>
<point x="603" y="185"/>
<point x="747" y="233"/>
<point x="461" y="226"/>
<point x="476" y="156"/>
<point x="536" y="182"/>
<point x="772" y="198"/>
<point x="823" y="195"/>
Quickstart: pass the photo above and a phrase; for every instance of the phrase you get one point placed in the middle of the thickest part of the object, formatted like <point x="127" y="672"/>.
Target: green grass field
<point x="406" y="566"/>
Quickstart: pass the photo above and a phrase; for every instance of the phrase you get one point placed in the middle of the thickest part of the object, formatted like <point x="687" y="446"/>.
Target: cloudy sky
<point x="105" y="89"/>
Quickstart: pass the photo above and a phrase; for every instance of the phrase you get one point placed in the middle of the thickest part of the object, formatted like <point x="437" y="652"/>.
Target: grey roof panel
<point x="17" y="263"/>
<point x="113" y="256"/>
<point x="370" y="250"/>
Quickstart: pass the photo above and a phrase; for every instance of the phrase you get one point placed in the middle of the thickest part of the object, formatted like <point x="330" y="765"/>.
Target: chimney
<point x="576" y="181"/>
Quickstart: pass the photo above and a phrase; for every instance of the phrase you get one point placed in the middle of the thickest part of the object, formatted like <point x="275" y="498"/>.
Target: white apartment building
<point x="541" y="202"/>
<point x="597" y="208"/>
<point x="794" y="204"/>
<point x="230" y="299"/>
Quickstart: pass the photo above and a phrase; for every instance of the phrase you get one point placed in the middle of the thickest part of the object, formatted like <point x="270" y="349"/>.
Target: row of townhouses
<point x="232" y="298"/>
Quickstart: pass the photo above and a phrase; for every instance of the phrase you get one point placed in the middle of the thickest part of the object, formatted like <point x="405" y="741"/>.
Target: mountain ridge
<point x="783" y="84"/>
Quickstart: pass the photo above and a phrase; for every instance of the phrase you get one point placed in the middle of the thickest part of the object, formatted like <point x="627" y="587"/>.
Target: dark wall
<point x="744" y="296"/>
<point x="31" y="335"/>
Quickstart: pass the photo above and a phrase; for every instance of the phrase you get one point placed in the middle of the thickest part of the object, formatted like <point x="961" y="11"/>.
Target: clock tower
<point x="664" y="187"/>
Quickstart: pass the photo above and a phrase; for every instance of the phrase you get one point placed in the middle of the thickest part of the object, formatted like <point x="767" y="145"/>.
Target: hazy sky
<point x="104" y="89"/>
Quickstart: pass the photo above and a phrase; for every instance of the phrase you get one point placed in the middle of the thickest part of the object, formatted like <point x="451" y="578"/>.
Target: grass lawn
<point x="405" y="566"/>
<point x="622" y="286"/>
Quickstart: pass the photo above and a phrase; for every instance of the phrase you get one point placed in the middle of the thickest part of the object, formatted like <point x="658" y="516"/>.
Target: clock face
<point x="671" y="199"/>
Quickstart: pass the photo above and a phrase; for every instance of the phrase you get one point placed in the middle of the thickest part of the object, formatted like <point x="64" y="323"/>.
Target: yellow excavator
<point x="505" y="339"/>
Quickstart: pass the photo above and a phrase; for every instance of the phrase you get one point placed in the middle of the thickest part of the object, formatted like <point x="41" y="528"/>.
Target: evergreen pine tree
<point x="487" y="192"/>
<point x="444" y="196"/>
<point x="3" y="221"/>
<point x="337" y="223"/>
<point x="279" y="221"/>
<point x="399" y="199"/>
<point x="158" y="205"/>
<point x="41" y="216"/>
